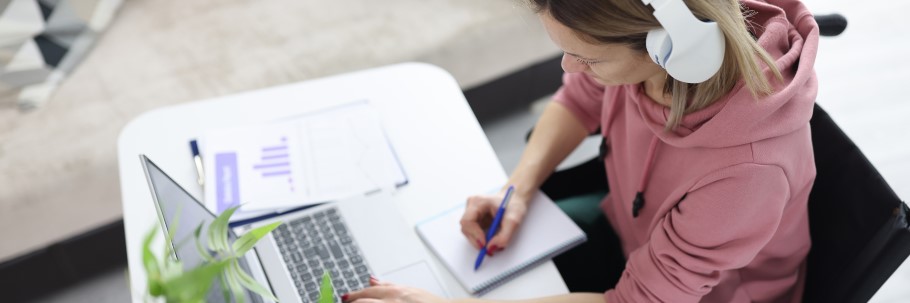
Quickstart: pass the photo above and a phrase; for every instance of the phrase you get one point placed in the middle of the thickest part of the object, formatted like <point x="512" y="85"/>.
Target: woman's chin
<point x="602" y="81"/>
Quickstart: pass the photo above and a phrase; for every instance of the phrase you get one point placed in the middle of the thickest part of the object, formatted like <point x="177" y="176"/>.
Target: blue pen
<point x="495" y="226"/>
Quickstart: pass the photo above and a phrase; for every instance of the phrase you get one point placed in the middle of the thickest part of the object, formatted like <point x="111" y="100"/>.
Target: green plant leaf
<point x="251" y="284"/>
<point x="152" y="270"/>
<point x="326" y="291"/>
<point x="169" y="236"/>
<point x="225" y="289"/>
<point x="199" y="248"/>
<point x="194" y="285"/>
<point x="218" y="231"/>
<point x="234" y="284"/>
<point x="168" y="279"/>
<point x="245" y="242"/>
<point x="171" y="268"/>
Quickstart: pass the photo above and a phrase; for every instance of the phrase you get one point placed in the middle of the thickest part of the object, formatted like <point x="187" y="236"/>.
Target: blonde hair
<point x="628" y="22"/>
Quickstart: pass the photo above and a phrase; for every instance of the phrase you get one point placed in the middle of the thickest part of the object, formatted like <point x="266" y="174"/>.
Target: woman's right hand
<point x="479" y="214"/>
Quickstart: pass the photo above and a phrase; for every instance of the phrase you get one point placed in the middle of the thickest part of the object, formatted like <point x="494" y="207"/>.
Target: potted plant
<point x="170" y="281"/>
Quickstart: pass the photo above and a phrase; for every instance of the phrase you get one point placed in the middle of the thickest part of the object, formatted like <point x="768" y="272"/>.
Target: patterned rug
<point x="41" y="41"/>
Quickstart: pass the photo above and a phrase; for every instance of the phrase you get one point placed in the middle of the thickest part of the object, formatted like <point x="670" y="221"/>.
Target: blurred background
<point x="76" y="71"/>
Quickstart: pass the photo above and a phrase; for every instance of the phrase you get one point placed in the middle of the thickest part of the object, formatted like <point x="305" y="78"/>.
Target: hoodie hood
<point x="737" y="118"/>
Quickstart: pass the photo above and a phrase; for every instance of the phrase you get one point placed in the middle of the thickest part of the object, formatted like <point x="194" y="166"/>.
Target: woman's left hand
<point x="388" y="292"/>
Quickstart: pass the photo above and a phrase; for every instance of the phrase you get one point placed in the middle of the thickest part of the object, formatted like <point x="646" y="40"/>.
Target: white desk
<point x="440" y="144"/>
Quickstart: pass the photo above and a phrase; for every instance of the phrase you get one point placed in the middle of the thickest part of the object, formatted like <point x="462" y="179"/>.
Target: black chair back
<point x="859" y="227"/>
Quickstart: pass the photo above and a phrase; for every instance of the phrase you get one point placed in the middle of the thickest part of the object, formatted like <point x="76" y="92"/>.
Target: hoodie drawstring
<point x="639" y="201"/>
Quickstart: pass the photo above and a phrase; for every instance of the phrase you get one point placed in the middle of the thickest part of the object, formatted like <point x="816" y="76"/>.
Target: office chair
<point x="860" y="229"/>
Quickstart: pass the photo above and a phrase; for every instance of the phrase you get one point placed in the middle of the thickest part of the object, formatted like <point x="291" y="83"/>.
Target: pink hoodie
<point x="724" y="217"/>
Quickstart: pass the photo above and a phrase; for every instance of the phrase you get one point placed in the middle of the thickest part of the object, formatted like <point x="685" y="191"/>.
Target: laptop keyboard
<point x="317" y="243"/>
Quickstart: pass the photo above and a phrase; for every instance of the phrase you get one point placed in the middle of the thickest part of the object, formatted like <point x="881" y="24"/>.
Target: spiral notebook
<point x="545" y="233"/>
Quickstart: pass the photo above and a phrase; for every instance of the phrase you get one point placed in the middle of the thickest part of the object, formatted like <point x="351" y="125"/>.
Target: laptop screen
<point x="182" y="213"/>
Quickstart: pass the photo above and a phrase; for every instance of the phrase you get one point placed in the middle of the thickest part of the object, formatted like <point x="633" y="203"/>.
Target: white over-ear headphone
<point x="689" y="49"/>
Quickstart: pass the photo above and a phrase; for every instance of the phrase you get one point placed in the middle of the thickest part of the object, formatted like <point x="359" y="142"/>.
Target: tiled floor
<point x="862" y="87"/>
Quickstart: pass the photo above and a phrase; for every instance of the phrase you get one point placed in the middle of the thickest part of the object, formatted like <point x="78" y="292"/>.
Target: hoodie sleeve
<point x="721" y="224"/>
<point x="583" y="97"/>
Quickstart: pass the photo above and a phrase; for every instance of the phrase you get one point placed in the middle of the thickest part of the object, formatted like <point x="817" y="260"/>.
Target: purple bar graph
<point x="277" y="173"/>
<point x="271" y="165"/>
<point x="275" y="162"/>
<point x="278" y="156"/>
<point x="274" y="148"/>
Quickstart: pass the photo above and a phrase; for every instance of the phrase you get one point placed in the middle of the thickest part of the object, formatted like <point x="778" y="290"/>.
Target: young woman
<point x="708" y="182"/>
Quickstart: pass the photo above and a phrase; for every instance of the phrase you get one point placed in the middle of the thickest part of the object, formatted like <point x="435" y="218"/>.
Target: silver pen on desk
<point x="197" y="158"/>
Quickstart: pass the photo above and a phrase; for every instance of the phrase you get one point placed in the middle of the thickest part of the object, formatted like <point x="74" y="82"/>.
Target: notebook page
<point x="545" y="232"/>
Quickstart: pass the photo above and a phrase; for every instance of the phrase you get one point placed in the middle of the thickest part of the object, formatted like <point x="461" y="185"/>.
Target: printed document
<point x="319" y="157"/>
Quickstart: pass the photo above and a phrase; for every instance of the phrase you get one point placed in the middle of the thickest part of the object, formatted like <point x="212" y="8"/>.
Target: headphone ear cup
<point x="659" y="46"/>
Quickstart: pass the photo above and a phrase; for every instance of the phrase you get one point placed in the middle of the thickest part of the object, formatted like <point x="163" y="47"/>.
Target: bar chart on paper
<point x="262" y="172"/>
<point x="274" y="172"/>
<point x="325" y="156"/>
<point x="275" y="164"/>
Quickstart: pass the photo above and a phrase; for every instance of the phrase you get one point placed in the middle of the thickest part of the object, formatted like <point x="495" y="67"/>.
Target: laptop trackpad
<point x="416" y="275"/>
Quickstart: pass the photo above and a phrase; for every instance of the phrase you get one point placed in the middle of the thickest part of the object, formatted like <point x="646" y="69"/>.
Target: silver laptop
<point x="350" y="239"/>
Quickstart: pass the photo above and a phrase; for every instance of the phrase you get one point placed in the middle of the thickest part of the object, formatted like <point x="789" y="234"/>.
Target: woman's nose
<point x="570" y="65"/>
